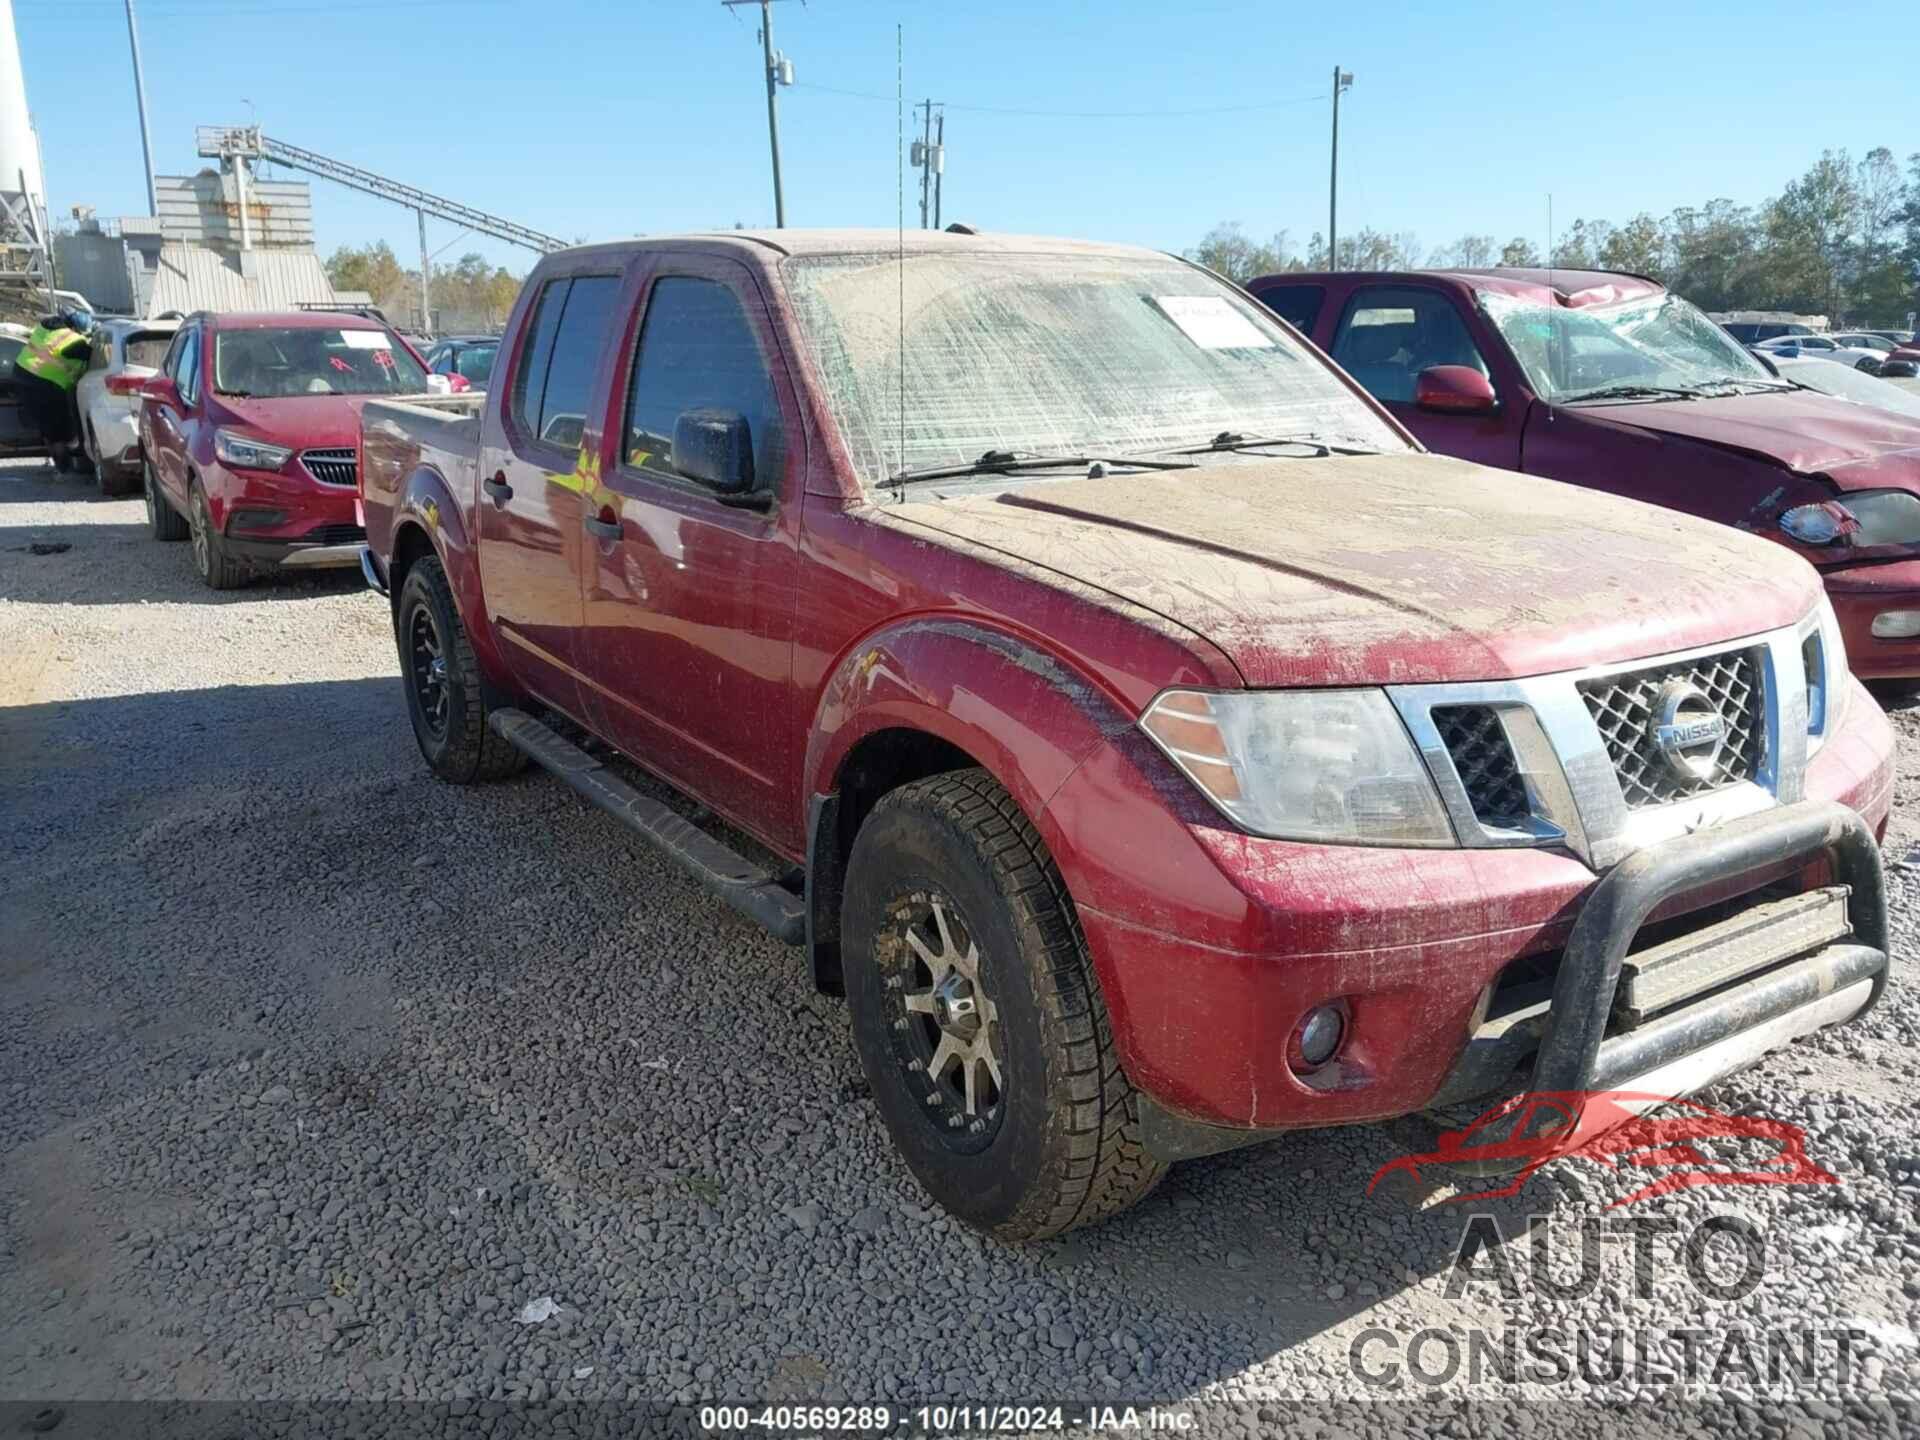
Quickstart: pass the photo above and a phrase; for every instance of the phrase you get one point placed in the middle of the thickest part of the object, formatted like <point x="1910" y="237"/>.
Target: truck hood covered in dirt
<point x="1857" y="446"/>
<point x="1391" y="568"/>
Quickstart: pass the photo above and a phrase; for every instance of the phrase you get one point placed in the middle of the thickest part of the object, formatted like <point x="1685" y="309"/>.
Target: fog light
<point x="1896" y="624"/>
<point x="1317" y="1037"/>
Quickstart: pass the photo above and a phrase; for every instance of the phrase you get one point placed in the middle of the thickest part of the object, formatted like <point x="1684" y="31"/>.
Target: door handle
<point x="603" y="529"/>
<point x="498" y="490"/>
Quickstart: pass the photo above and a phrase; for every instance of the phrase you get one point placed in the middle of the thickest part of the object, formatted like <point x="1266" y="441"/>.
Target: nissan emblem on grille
<point x="1687" y="730"/>
<point x="1681" y="728"/>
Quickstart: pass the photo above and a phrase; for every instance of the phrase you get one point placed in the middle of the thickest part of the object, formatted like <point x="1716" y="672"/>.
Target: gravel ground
<point x="315" y="1072"/>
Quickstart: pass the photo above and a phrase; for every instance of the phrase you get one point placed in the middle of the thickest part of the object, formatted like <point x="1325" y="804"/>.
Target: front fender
<point x="1027" y="716"/>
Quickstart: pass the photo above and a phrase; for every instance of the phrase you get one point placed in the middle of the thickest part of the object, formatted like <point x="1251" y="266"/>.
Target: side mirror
<point x="1454" y="390"/>
<point x="714" y="447"/>
<point x="164" y="390"/>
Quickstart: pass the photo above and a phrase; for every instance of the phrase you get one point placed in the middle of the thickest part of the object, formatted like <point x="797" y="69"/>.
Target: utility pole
<point x="140" y="93"/>
<point x="926" y="158"/>
<point x="929" y="157"/>
<point x="940" y="164"/>
<point x="426" y="268"/>
<point x="779" y="72"/>
<point x="1342" y="80"/>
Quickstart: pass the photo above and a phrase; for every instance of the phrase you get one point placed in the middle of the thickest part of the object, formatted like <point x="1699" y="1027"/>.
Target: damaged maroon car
<point x="1610" y="381"/>
<point x="1156" y="748"/>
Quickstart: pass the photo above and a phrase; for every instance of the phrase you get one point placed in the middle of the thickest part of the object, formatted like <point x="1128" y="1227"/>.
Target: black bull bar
<point x="1574" y="1052"/>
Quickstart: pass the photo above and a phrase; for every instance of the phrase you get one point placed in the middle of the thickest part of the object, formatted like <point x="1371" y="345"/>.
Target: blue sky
<point x="605" y="118"/>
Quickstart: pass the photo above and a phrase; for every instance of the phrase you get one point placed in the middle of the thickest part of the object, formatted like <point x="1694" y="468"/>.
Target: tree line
<point x="1841" y="240"/>
<point x="468" y="295"/>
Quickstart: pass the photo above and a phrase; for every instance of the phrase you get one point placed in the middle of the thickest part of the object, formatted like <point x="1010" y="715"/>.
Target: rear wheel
<point x="445" y="695"/>
<point x="162" y="519"/>
<point x="112" y="481"/>
<point x="217" y="569"/>
<point x="978" y="1018"/>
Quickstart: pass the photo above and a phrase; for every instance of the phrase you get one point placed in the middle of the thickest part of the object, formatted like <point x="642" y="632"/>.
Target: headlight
<point x="1887" y="517"/>
<point x="246" y="454"/>
<point x="1326" y="765"/>
<point x="1811" y="524"/>
<point x="1825" y="656"/>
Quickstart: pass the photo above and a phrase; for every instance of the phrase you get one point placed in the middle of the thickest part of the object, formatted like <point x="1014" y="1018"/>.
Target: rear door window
<point x="1298" y="305"/>
<point x="577" y="344"/>
<point x="530" y="378"/>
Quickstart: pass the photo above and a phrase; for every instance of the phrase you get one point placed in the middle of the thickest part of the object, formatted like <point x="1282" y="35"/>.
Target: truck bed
<point x="401" y="438"/>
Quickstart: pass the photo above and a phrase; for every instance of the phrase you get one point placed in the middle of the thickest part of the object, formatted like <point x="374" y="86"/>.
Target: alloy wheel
<point x="202" y="528"/>
<point x="427" y="663"/>
<point x="946" y="1029"/>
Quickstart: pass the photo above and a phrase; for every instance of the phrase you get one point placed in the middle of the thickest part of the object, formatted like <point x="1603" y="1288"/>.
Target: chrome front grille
<point x="1624" y="706"/>
<point x="1478" y="746"/>
<point x="332" y="467"/>
<point x="1570" y="759"/>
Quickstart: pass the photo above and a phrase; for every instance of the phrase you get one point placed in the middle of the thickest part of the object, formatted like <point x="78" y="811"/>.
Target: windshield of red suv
<point x="1650" y="345"/>
<point x="942" y="358"/>
<point x="302" y="360"/>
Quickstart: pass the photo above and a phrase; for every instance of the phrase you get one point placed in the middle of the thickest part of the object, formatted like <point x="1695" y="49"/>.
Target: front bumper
<point x="1860" y="593"/>
<point x="1211" y="945"/>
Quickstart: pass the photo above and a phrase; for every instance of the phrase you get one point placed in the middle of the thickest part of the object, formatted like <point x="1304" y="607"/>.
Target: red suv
<point x="1610" y="381"/>
<point x="249" y="436"/>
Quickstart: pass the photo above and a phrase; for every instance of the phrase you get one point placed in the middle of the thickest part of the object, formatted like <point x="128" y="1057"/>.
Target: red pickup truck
<point x="1610" y="381"/>
<point x="1158" y="750"/>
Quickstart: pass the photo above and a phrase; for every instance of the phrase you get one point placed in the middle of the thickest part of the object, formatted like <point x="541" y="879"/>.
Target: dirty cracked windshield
<point x="940" y="359"/>
<point x="1659" y="343"/>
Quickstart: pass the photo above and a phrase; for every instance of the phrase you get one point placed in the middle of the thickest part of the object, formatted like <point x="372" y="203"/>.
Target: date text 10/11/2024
<point x="939" y="1419"/>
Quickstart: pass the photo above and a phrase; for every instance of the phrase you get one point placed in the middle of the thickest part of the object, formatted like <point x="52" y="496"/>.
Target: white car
<point x="126" y="354"/>
<point x="1824" y="347"/>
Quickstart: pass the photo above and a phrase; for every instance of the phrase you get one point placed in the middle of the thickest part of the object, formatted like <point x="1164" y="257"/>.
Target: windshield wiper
<point x="1731" y="386"/>
<point x="1234" y="440"/>
<point x="1013" y="462"/>
<point x="1631" y="392"/>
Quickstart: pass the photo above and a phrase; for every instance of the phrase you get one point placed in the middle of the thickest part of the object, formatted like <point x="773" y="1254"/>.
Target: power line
<point x="1076" y="114"/>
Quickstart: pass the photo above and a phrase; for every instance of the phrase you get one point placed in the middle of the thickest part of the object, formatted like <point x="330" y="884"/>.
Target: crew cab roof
<point x="1572" y="288"/>
<point x="851" y="241"/>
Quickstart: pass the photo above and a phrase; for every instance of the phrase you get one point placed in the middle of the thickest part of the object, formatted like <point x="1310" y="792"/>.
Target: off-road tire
<point x="217" y="569"/>
<point x="165" y="522"/>
<point x="1064" y="1149"/>
<point x="462" y="749"/>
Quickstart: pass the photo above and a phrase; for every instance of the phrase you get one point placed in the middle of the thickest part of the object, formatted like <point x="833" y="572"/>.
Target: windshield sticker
<point x="366" y="339"/>
<point x="1211" y="323"/>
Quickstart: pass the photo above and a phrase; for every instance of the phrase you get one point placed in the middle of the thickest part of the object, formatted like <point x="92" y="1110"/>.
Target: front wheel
<point x="445" y="697"/>
<point x="978" y="1018"/>
<point x="217" y="569"/>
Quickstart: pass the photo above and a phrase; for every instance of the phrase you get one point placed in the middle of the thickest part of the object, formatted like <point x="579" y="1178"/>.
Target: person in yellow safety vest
<point x="47" y="375"/>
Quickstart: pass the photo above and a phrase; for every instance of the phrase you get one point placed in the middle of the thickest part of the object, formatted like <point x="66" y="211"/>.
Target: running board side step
<point x="754" y="892"/>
